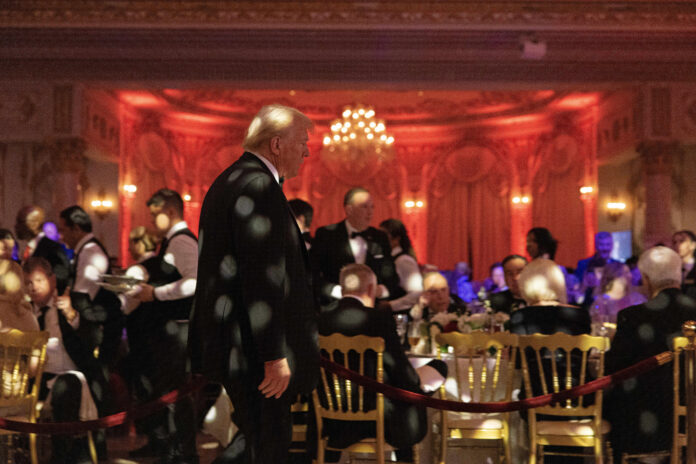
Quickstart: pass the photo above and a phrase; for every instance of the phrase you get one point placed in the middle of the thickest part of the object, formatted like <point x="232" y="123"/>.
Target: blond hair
<point x="273" y="120"/>
<point x="542" y="280"/>
<point x="662" y="267"/>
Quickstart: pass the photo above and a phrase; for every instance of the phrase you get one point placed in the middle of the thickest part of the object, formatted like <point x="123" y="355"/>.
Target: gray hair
<point x="273" y="120"/>
<point x="542" y="280"/>
<point x="662" y="267"/>
<point x="355" y="278"/>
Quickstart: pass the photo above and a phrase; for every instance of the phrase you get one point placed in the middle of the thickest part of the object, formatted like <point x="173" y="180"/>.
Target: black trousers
<point x="66" y="396"/>
<point x="172" y="430"/>
<point x="265" y="425"/>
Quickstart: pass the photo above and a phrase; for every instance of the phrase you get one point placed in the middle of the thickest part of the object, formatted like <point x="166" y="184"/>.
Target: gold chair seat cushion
<point x="465" y="420"/>
<point x="572" y="428"/>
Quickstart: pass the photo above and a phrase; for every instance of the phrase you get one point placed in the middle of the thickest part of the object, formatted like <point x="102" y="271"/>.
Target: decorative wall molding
<point x="314" y="14"/>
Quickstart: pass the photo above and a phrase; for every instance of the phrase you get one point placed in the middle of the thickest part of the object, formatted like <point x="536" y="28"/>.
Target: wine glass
<point x="414" y="335"/>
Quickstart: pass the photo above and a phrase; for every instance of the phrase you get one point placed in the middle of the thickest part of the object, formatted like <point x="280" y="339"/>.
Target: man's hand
<point x="276" y="378"/>
<point x="147" y="293"/>
<point x="64" y="304"/>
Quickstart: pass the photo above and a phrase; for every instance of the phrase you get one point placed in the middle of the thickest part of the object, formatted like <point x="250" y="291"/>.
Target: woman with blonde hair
<point x="15" y="311"/>
<point x="542" y="285"/>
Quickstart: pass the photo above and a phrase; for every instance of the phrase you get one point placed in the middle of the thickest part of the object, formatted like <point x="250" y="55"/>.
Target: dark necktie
<point x="41" y="318"/>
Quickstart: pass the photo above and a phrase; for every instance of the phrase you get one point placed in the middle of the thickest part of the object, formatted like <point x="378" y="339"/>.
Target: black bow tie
<point x="362" y="234"/>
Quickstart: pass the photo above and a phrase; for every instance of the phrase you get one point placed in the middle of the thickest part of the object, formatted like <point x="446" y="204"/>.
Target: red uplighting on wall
<point x="574" y="102"/>
<point x="140" y="99"/>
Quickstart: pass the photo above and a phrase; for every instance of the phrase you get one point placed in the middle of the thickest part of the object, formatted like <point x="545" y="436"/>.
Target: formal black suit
<point x="52" y="252"/>
<point x="254" y="303"/>
<point x="640" y="410"/>
<point x="505" y="302"/>
<point x="405" y="423"/>
<point x="331" y="251"/>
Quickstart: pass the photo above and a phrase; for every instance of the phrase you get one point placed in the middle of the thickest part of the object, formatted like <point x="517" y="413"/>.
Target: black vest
<point x="105" y="310"/>
<point x="162" y="273"/>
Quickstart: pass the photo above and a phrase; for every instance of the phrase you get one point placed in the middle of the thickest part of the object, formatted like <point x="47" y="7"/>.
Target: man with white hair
<point x="253" y="324"/>
<point x="640" y="409"/>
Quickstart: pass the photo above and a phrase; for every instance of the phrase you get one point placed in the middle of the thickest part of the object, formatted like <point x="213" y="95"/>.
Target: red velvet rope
<point x="499" y="406"/>
<point x="74" y="428"/>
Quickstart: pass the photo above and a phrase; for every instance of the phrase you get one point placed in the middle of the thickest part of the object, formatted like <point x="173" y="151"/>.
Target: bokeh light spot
<point x="228" y="267"/>
<point x="259" y="226"/>
<point x="259" y="315"/>
<point x="244" y="206"/>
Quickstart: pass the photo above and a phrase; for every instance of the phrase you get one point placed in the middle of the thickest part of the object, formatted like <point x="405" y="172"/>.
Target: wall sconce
<point x="186" y="197"/>
<point x="521" y="200"/>
<point x="615" y="209"/>
<point x="410" y="204"/>
<point x="102" y="206"/>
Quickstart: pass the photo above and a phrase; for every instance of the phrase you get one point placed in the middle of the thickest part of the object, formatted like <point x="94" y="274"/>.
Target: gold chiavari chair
<point x="483" y="370"/>
<point x="552" y="363"/>
<point x="335" y="398"/>
<point x="22" y="355"/>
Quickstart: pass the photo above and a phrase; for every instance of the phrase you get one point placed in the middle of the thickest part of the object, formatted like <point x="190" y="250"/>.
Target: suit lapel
<point x="342" y="232"/>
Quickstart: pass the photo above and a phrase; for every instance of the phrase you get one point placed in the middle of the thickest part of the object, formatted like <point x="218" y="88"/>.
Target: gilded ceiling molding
<point x="350" y="14"/>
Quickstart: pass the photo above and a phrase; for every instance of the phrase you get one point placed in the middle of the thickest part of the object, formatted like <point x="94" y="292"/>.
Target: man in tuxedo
<point x="163" y="317"/>
<point x="436" y="298"/>
<point x="510" y="300"/>
<point x="70" y="348"/>
<point x="354" y="314"/>
<point x="353" y="241"/>
<point x="304" y="213"/>
<point x="604" y="244"/>
<point x="640" y="409"/>
<point x="30" y="220"/>
<point x="253" y="325"/>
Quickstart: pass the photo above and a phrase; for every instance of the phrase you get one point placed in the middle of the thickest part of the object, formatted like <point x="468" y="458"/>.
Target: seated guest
<point x="354" y="314"/>
<point x="615" y="293"/>
<point x="541" y="244"/>
<point x="15" y="312"/>
<point x="72" y="373"/>
<point x="543" y="288"/>
<point x="410" y="278"/>
<point x="510" y="299"/>
<point x="604" y="244"/>
<point x="436" y="298"/>
<point x="684" y="243"/>
<point x="495" y="282"/>
<point x="304" y="213"/>
<point x="640" y="409"/>
<point x="459" y="281"/>
<point x="29" y="226"/>
<point x="8" y="245"/>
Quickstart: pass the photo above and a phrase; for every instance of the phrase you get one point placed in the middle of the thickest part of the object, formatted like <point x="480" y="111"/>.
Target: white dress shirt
<point x="270" y="166"/>
<point x="410" y="279"/>
<point x="358" y="245"/>
<point x="92" y="264"/>
<point x="58" y="360"/>
<point x="182" y="253"/>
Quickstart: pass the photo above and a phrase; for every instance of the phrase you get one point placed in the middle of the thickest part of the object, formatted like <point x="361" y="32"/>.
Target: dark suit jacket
<point x="350" y="317"/>
<point x="548" y="320"/>
<point x="254" y="300"/>
<point x="53" y="253"/>
<point x="640" y="409"/>
<point x="331" y="251"/>
<point x="505" y="302"/>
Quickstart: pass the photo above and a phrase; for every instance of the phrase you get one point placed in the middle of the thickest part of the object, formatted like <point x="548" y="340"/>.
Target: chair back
<point x="22" y="356"/>
<point x="552" y="363"/>
<point x="484" y="364"/>
<point x="679" y="415"/>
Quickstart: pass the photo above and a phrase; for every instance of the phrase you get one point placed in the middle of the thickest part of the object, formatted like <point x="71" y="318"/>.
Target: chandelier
<point x="357" y="135"/>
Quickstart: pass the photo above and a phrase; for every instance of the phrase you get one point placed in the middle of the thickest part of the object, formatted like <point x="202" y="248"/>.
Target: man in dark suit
<point x="354" y="314"/>
<point x="71" y="347"/>
<point x="304" y="213"/>
<point x="353" y="241"/>
<point x="604" y="244"/>
<point x="640" y="409"/>
<point x="30" y="220"/>
<point x="510" y="300"/>
<point x="253" y="325"/>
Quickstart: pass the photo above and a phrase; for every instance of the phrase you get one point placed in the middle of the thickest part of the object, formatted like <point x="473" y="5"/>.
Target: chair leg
<point x="532" y="451"/>
<point x="33" y="454"/>
<point x="320" y="451"/>
<point x="599" y="458"/>
<point x="92" y="449"/>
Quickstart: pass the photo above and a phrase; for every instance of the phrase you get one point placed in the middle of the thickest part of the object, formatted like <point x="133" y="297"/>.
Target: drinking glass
<point x="401" y="326"/>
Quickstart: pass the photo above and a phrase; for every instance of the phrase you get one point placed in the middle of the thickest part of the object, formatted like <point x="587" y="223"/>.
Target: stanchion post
<point x="689" y="331"/>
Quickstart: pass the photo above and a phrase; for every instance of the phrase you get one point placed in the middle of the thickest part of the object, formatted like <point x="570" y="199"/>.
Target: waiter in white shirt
<point x="166" y="301"/>
<point x="92" y="302"/>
